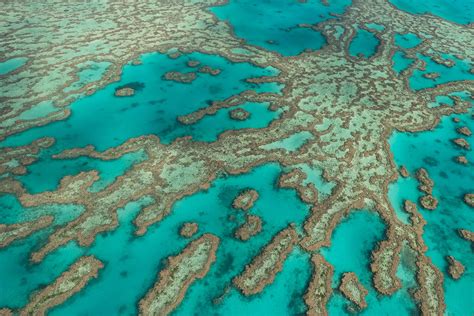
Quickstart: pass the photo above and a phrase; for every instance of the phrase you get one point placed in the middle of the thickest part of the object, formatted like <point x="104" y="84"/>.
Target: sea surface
<point x="132" y="263"/>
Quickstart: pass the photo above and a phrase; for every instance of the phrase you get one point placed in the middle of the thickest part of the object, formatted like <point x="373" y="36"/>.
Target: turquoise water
<point x="11" y="64"/>
<point x="459" y="11"/>
<point x="434" y="151"/>
<point x="447" y="100"/>
<point x="400" y="61"/>
<point x="19" y="278"/>
<point x="89" y="72"/>
<point x="275" y="22"/>
<point x="364" y="44"/>
<point x="291" y="143"/>
<point x="407" y="41"/>
<point x="375" y="26"/>
<point x="40" y="110"/>
<point x="46" y="174"/>
<point x="105" y="121"/>
<point x="122" y="253"/>
<point x="351" y="246"/>
<point x="460" y="71"/>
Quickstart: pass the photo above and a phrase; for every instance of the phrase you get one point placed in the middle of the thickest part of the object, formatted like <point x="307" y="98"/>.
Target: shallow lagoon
<point x="459" y="71"/>
<point x="123" y="253"/>
<point x="12" y="64"/>
<point x="104" y="120"/>
<point x="364" y="44"/>
<point x="434" y="151"/>
<point x="459" y="11"/>
<point x="96" y="119"/>
<point x="351" y="245"/>
<point x="276" y="22"/>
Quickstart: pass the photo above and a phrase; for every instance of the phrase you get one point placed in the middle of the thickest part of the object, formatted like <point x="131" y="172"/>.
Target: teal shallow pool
<point x="104" y="120"/>
<point x="401" y="62"/>
<point x="131" y="263"/>
<point x="364" y="44"/>
<point x="9" y="65"/>
<point x="276" y="22"/>
<point x="459" y="11"/>
<point x="97" y="119"/>
<point x="351" y="246"/>
<point x="459" y="71"/>
<point x="434" y="151"/>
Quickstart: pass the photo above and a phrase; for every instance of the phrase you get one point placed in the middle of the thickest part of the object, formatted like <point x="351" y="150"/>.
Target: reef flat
<point x="272" y="157"/>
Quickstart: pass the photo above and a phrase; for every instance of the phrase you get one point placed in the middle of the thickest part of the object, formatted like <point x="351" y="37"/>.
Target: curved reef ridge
<point x="348" y="105"/>
<point x="69" y="283"/>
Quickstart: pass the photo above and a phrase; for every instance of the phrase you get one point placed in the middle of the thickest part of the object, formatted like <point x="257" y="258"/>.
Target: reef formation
<point x="336" y="113"/>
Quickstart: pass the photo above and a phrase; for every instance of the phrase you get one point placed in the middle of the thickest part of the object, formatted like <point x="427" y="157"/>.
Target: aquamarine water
<point x="401" y="62"/>
<point x="122" y="252"/>
<point x="460" y="71"/>
<point x="104" y="120"/>
<point x="364" y="44"/>
<point x="46" y="174"/>
<point x="40" y="110"/>
<point x="19" y="277"/>
<point x="89" y="72"/>
<point x="458" y="11"/>
<point x="132" y="263"/>
<point x="351" y="245"/>
<point x="9" y="65"/>
<point x="407" y="41"/>
<point x="448" y="100"/>
<point x="434" y="151"/>
<point x="275" y="22"/>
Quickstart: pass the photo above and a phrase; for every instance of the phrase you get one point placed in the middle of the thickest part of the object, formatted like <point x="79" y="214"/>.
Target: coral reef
<point x="69" y="283"/>
<point x="469" y="199"/>
<point x="352" y="289"/>
<point x="124" y="92"/>
<point x="187" y="77"/>
<point x="455" y="268"/>
<point x="251" y="227"/>
<point x="319" y="289"/>
<point x="10" y="233"/>
<point x="188" y="230"/>
<point x="239" y="114"/>
<point x="181" y="271"/>
<point x="263" y="268"/>
<point x="245" y="200"/>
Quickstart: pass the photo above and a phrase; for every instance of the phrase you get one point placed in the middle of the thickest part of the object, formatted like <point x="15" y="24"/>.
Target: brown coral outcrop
<point x="455" y="268"/>
<point x="188" y="230"/>
<point x="180" y="272"/>
<point x="429" y="202"/>
<point x="461" y="142"/>
<point x="469" y="199"/>
<point x="264" y="267"/>
<point x="245" y="199"/>
<point x="251" y="227"/>
<point x="404" y="172"/>
<point x="186" y="77"/>
<point x="426" y="183"/>
<point x="10" y="233"/>
<point x="239" y="114"/>
<point x="353" y="290"/>
<point x="466" y="234"/>
<point x="319" y="289"/>
<point x="464" y="131"/>
<point x="462" y="160"/>
<point x="124" y="92"/>
<point x="69" y="283"/>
